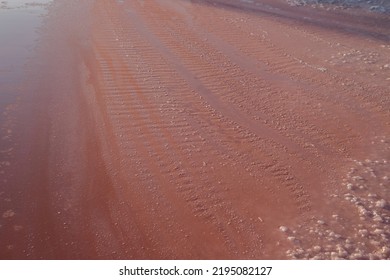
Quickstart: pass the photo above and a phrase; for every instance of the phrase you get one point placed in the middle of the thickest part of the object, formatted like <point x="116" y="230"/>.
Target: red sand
<point x="195" y="130"/>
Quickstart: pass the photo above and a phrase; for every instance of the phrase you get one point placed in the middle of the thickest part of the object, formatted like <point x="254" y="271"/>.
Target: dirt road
<point x="176" y="129"/>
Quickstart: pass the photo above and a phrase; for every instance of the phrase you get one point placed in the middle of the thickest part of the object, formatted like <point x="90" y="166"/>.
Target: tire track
<point x="157" y="136"/>
<point x="147" y="136"/>
<point x="246" y="26"/>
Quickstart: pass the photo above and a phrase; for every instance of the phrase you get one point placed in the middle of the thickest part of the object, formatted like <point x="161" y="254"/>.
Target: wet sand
<point x="213" y="129"/>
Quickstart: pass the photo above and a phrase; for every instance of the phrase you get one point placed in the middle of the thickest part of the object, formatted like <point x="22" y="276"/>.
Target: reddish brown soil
<point x="176" y="129"/>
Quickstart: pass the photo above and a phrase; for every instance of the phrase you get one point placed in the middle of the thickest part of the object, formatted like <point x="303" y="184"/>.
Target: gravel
<point x="358" y="223"/>
<point x="378" y="6"/>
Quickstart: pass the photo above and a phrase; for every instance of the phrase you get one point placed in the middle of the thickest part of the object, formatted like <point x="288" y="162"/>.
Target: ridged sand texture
<point x="200" y="130"/>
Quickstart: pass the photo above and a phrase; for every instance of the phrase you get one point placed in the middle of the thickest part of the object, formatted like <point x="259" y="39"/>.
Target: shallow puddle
<point x="19" y="21"/>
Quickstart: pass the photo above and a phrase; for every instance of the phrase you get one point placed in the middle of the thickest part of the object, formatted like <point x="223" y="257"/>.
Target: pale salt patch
<point x="363" y="232"/>
<point x="8" y="214"/>
<point x="385" y="250"/>
<point x="317" y="248"/>
<point x="18" y="228"/>
<point x="334" y="255"/>
<point x="283" y="229"/>
<point x="378" y="231"/>
<point x="378" y="218"/>
<point x="381" y="203"/>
